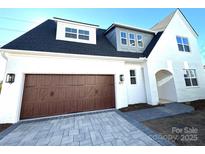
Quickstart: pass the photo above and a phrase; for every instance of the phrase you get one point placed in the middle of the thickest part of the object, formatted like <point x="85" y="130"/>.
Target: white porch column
<point x="150" y="86"/>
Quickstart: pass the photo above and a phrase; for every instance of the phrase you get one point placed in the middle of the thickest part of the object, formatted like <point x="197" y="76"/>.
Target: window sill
<point x="184" y="52"/>
<point x="191" y="87"/>
<point x="133" y="84"/>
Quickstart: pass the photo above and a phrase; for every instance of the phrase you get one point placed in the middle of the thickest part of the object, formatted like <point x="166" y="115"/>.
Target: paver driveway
<point x="102" y="128"/>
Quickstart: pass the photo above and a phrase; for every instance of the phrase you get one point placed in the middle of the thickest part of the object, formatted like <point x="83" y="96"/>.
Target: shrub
<point x="0" y="86"/>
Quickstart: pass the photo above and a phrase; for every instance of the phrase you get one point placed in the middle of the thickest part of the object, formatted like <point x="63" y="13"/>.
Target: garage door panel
<point x="44" y="80"/>
<point x="67" y="106"/>
<point x="90" y="103"/>
<point x="78" y="80"/>
<point x="43" y="109"/>
<point x="31" y="94"/>
<point x="53" y="94"/>
<point x="60" y="108"/>
<point x="100" y="80"/>
<point x="36" y="110"/>
<point x="69" y="92"/>
<point x="27" y="110"/>
<point x="43" y="94"/>
<point x="62" y="94"/>
<point x="30" y="82"/>
<point x="47" y="95"/>
<point x="90" y="80"/>
<point x="98" y="103"/>
<point x="73" y="105"/>
<point x="79" y="105"/>
<point x="90" y="90"/>
<point x="81" y="91"/>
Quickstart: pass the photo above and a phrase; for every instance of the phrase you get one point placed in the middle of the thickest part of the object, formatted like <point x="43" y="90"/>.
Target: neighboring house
<point x="63" y="66"/>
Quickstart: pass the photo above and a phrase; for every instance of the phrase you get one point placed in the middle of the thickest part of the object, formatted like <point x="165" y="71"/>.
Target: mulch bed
<point x="185" y="129"/>
<point x="138" y="107"/>
<point x="4" y="126"/>
<point x="197" y="105"/>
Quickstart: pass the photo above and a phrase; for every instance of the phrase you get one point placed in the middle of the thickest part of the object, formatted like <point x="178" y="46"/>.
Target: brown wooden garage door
<point x="47" y="95"/>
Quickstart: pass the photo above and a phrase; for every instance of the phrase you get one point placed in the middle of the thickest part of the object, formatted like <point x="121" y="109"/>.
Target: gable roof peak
<point x="161" y="25"/>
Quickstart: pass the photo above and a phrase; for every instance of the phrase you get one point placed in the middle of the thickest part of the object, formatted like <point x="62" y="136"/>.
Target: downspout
<point x="6" y="58"/>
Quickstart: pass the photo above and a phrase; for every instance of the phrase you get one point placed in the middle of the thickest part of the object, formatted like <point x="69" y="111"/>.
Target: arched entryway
<point x="166" y="86"/>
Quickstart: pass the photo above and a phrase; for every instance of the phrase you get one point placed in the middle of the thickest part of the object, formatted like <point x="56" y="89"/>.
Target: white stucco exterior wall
<point x="11" y="97"/>
<point x="174" y="61"/>
<point x="2" y="67"/>
<point x="135" y="92"/>
<point x="167" y="91"/>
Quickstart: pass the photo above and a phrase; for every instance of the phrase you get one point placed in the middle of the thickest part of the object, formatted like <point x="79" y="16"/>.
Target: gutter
<point x="64" y="55"/>
<point x="4" y="55"/>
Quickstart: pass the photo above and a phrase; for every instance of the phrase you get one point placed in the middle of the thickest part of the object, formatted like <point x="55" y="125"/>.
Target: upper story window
<point x="71" y="32"/>
<point x="74" y="33"/>
<point x="83" y="34"/>
<point x="190" y="77"/>
<point x="132" y="77"/>
<point x="123" y="36"/>
<point x="132" y="39"/>
<point x="140" y="41"/>
<point x="183" y="44"/>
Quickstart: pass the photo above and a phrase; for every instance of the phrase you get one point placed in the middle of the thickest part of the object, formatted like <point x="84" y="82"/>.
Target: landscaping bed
<point x="4" y="126"/>
<point x="197" y="105"/>
<point x="184" y="129"/>
<point x="137" y="107"/>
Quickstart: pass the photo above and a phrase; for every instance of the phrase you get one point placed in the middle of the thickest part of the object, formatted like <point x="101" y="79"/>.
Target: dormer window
<point x="123" y="38"/>
<point x="74" y="31"/>
<point x="83" y="34"/>
<point x="71" y="32"/>
<point x="140" y="41"/>
<point x="132" y="39"/>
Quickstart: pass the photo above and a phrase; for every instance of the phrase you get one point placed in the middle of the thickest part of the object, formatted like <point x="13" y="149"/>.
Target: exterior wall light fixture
<point x="10" y="78"/>
<point x="121" y="78"/>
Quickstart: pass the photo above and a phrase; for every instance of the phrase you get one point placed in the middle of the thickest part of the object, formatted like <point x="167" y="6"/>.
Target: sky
<point x="15" y="22"/>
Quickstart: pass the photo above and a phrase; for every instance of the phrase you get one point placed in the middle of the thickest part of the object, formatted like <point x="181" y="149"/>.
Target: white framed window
<point x="183" y="44"/>
<point x="133" y="77"/>
<point x="132" y="40"/>
<point x="123" y="38"/>
<point x="190" y="77"/>
<point x="71" y="32"/>
<point x="140" y="42"/>
<point x="83" y="34"/>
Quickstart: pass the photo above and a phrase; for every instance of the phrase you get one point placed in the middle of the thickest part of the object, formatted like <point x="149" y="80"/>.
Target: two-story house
<point x="63" y="66"/>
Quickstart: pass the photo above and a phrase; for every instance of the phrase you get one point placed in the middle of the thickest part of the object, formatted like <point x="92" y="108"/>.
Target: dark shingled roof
<point x="43" y="38"/>
<point x="152" y="44"/>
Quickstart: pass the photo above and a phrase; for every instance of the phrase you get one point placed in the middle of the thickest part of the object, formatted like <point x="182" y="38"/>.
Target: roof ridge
<point x="84" y="23"/>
